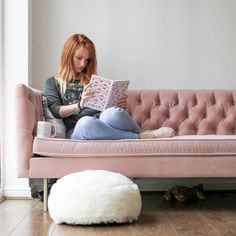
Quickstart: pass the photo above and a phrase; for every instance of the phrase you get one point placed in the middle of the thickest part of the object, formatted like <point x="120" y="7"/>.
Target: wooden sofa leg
<point x="45" y="194"/>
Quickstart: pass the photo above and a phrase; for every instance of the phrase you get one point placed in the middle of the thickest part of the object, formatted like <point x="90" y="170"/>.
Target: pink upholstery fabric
<point x="192" y="114"/>
<point x="161" y="166"/>
<point x="194" y="145"/>
<point x="187" y="111"/>
<point x="29" y="111"/>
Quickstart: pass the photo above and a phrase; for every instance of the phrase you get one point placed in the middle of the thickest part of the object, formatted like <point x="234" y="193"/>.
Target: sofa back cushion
<point x="187" y="111"/>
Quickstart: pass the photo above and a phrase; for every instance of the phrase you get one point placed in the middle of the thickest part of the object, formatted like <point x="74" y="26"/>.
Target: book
<point x="106" y="92"/>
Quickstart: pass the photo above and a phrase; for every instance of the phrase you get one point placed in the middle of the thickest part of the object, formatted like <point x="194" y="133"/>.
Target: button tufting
<point x="187" y="114"/>
<point x="202" y="112"/>
<point x="167" y="114"/>
<point x="231" y="100"/>
<point x="177" y="100"/>
<point x="223" y="114"/>
<point x="195" y="100"/>
<point x="213" y="99"/>
<point x="139" y="100"/>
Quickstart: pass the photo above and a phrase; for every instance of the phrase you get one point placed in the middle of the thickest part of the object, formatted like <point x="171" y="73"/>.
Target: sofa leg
<point x="45" y="194"/>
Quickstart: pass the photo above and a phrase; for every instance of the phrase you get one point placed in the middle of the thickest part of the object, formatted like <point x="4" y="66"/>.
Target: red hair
<point x="66" y="71"/>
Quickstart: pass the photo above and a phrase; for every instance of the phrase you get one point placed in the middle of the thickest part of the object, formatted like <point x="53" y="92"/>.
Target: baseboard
<point x="17" y="192"/>
<point x="155" y="184"/>
<point x="150" y="184"/>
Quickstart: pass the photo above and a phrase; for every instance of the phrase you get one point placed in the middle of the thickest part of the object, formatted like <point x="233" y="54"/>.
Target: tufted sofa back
<point x="189" y="112"/>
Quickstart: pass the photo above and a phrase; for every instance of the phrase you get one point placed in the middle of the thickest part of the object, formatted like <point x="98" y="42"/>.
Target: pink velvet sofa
<point x="204" y="145"/>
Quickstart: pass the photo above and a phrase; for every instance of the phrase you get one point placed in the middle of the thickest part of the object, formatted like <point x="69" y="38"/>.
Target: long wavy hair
<point x="66" y="71"/>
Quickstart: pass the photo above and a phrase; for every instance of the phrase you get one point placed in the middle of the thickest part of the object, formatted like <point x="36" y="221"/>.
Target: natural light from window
<point x="1" y="92"/>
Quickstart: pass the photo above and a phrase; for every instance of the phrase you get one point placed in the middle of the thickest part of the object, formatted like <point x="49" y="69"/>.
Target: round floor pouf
<point x="94" y="197"/>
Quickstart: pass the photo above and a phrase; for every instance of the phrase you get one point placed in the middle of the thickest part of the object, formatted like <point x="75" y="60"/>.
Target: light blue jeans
<point x="113" y="123"/>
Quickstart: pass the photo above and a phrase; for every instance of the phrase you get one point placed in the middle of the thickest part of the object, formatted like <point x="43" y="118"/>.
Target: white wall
<point x="154" y="43"/>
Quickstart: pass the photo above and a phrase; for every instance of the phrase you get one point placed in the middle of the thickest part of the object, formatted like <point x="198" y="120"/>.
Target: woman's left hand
<point x="122" y="102"/>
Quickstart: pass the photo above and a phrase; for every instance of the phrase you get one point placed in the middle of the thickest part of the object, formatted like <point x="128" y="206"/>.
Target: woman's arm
<point x="54" y="100"/>
<point x="52" y="92"/>
<point x="68" y="110"/>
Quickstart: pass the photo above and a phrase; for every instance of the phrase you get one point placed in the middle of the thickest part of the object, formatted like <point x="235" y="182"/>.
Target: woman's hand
<point x="122" y="102"/>
<point x="85" y="95"/>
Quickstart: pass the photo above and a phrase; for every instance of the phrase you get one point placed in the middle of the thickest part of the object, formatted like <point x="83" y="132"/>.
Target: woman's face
<point x="80" y="59"/>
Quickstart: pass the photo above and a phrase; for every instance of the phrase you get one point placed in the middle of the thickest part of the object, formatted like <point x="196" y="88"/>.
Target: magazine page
<point x="118" y="91"/>
<point x="100" y="87"/>
<point x="106" y="92"/>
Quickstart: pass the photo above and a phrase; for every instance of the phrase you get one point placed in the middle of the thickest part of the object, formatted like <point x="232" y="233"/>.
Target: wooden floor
<point x="216" y="216"/>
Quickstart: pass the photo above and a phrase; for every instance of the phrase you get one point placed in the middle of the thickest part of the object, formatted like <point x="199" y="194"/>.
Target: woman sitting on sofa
<point x="67" y="91"/>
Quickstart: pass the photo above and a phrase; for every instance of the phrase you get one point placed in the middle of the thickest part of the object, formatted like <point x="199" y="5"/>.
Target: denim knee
<point x="112" y="113"/>
<point x="82" y="127"/>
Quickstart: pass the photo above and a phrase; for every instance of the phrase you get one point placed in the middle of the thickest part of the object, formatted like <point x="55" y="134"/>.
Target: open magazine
<point x="106" y="92"/>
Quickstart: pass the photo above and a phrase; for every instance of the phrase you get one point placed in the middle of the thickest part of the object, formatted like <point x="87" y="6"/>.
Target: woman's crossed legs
<point x="114" y="123"/>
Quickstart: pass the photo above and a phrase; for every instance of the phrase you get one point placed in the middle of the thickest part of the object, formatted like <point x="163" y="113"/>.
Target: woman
<point x="67" y="91"/>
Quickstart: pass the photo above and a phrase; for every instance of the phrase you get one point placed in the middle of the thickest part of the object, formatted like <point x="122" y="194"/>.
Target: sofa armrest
<point x="28" y="111"/>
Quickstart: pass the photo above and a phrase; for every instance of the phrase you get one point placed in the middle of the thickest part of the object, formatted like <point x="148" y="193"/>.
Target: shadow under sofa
<point x="204" y="145"/>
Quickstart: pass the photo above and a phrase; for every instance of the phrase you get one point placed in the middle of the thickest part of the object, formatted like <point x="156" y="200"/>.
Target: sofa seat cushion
<point x="194" y="145"/>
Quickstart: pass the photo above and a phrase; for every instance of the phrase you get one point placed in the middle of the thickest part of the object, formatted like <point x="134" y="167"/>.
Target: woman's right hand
<point x="85" y="95"/>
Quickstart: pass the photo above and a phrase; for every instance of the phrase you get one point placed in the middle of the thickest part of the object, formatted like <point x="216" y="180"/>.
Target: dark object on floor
<point x="37" y="187"/>
<point x="39" y="194"/>
<point x="183" y="193"/>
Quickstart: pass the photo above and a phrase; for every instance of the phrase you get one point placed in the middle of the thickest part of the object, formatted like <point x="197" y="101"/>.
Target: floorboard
<point x="216" y="216"/>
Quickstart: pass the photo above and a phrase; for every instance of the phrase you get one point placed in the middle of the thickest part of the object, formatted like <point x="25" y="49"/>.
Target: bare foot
<point x="163" y="132"/>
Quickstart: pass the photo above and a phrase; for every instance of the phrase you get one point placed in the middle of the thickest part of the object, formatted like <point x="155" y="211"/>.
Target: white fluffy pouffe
<point x="94" y="197"/>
